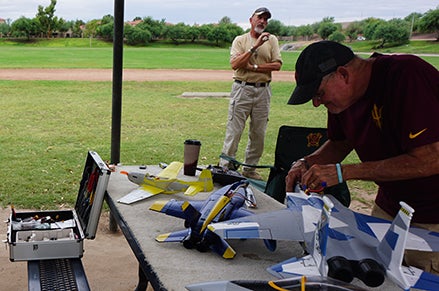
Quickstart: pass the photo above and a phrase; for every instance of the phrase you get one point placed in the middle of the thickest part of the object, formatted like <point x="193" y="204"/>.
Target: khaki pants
<point x="245" y="102"/>
<point x="427" y="261"/>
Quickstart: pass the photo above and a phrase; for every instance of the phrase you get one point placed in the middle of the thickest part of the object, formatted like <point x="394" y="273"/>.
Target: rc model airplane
<point x="223" y="204"/>
<point x="294" y="283"/>
<point x="340" y="243"/>
<point x="166" y="182"/>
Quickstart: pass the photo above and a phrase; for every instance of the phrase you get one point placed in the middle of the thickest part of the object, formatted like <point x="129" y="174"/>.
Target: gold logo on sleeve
<point x="377" y="115"/>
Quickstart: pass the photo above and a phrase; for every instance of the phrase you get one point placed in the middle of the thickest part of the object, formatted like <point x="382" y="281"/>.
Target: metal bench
<point x="59" y="274"/>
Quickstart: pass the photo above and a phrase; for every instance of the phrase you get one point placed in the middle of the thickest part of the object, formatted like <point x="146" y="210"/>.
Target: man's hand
<point x="298" y="168"/>
<point x="319" y="175"/>
<point x="261" y="39"/>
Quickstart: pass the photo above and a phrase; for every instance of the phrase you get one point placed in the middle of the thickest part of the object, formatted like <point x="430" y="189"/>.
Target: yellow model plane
<point x="165" y="182"/>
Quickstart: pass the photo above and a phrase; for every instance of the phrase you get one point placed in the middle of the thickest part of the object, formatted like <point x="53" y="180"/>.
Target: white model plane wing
<point x="305" y="266"/>
<point x="140" y="193"/>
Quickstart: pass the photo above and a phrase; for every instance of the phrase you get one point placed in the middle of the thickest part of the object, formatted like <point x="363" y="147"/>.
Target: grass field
<point x="48" y="126"/>
<point x="70" y="53"/>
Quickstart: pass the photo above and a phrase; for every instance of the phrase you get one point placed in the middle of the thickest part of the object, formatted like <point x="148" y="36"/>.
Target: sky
<point x="191" y="12"/>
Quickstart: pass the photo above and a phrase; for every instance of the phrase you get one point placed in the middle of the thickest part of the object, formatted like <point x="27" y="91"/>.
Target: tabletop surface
<point x="171" y="265"/>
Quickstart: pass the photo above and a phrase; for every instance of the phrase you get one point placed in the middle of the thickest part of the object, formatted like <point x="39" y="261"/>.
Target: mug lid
<point x="192" y="141"/>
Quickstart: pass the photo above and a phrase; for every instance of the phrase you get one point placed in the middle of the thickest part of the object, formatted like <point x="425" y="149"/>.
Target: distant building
<point x="2" y="21"/>
<point x="134" y="23"/>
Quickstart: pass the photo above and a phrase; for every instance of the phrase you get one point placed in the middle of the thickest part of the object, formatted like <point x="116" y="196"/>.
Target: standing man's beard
<point x="259" y="30"/>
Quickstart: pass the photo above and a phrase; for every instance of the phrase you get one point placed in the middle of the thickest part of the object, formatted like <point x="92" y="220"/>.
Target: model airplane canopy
<point x="166" y="182"/>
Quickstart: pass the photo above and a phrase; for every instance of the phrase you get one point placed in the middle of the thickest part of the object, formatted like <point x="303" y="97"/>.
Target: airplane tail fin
<point x="191" y="215"/>
<point x="206" y="177"/>
<point x="320" y="238"/>
<point x="204" y="184"/>
<point x="391" y="248"/>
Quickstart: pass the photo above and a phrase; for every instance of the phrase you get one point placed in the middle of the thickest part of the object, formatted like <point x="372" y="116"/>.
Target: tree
<point x="193" y="33"/>
<point x="430" y="22"/>
<point x="91" y="27"/>
<point x="176" y="32"/>
<point x="204" y="30"/>
<point x="394" y="31"/>
<point x="47" y="19"/>
<point x="233" y="31"/>
<point x="219" y="33"/>
<point x="23" y="27"/>
<point x="354" y="29"/>
<point x="225" y="20"/>
<point x="337" y="36"/>
<point x="155" y="27"/>
<point x="64" y="26"/>
<point x="289" y="31"/>
<point x="77" y="28"/>
<point x="274" y="27"/>
<point x="4" y="29"/>
<point x="106" y="30"/>
<point x="305" y="31"/>
<point x="413" y="19"/>
<point x="107" y="19"/>
<point x="370" y="26"/>
<point x="137" y="36"/>
<point x="326" y="29"/>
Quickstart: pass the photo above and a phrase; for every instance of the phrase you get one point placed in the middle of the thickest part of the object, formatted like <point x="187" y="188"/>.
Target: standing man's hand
<point x="261" y="39"/>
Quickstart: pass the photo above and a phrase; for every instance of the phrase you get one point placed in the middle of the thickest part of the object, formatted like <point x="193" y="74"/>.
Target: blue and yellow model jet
<point x="223" y="204"/>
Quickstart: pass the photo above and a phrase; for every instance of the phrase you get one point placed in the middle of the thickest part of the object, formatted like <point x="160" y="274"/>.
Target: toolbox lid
<point x="91" y="193"/>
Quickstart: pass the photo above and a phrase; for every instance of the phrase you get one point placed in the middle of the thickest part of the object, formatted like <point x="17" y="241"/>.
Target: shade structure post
<point x="116" y="119"/>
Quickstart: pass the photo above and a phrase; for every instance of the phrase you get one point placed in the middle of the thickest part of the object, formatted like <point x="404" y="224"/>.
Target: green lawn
<point x="47" y="127"/>
<point x="62" y="54"/>
<point x="50" y="125"/>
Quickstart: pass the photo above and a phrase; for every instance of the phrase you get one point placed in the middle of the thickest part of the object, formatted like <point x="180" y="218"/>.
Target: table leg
<point x="113" y="223"/>
<point x="143" y="281"/>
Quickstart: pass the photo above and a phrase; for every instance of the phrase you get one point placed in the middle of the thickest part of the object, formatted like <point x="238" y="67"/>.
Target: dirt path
<point x="128" y="75"/>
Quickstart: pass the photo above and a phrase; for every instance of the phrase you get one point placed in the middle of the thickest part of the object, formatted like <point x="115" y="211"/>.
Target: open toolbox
<point x="56" y="234"/>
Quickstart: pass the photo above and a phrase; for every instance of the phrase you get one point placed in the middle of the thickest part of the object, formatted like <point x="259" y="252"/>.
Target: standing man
<point x="253" y="56"/>
<point x="386" y="108"/>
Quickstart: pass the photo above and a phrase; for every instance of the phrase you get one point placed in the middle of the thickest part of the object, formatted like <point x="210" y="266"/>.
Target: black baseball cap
<point x="262" y="10"/>
<point x="316" y="61"/>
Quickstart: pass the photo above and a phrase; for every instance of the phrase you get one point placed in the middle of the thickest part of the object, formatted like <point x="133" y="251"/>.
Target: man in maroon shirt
<point x="386" y="108"/>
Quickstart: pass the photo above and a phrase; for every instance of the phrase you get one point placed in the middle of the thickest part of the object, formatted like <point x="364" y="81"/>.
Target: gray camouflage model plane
<point x="340" y="243"/>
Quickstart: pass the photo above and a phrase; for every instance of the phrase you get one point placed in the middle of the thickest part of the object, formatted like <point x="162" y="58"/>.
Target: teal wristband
<point x="339" y="173"/>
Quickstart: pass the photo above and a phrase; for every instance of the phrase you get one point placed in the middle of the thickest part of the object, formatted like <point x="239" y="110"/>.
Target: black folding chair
<point x="294" y="142"/>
